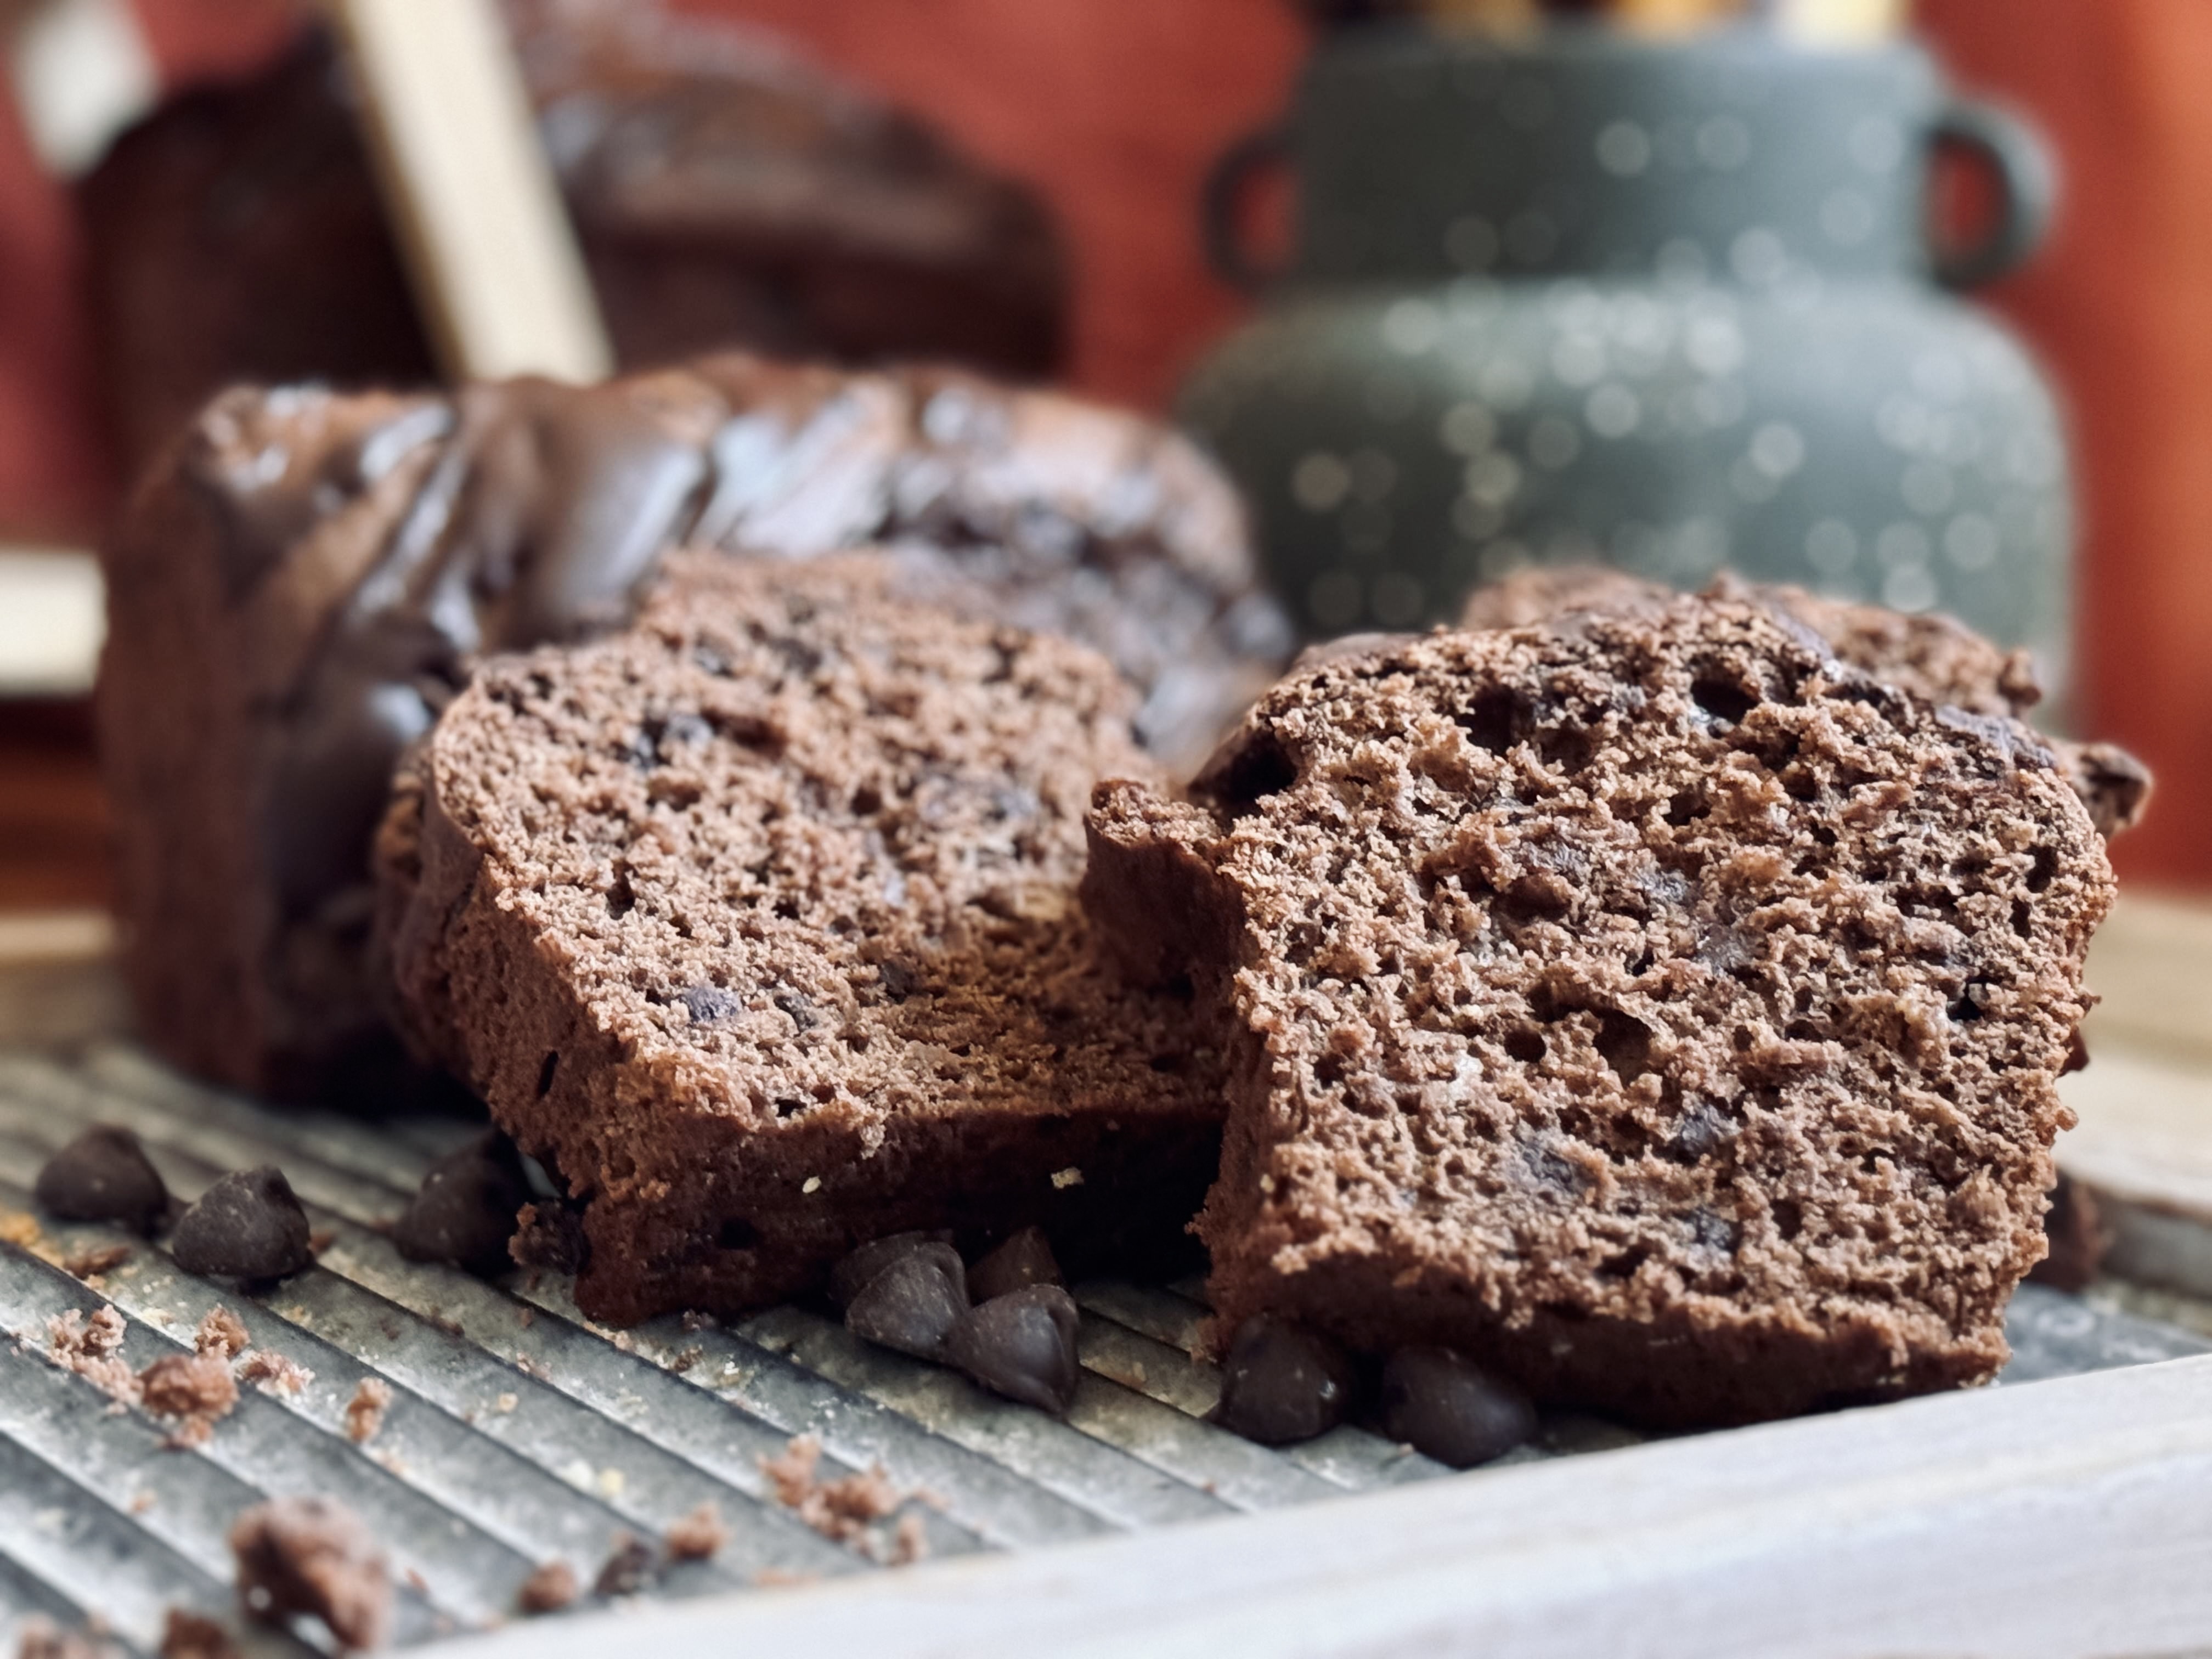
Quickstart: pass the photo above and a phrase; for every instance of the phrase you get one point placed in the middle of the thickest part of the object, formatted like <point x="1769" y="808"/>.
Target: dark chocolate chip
<point x="1445" y="1405"/>
<point x="247" y="1225"/>
<point x="1282" y="1382"/>
<point x="464" y="1212"/>
<point x="550" y="1234"/>
<point x="629" y="1569"/>
<point x="707" y="1004"/>
<point x="1023" y="1259"/>
<point x="1021" y="1346"/>
<point x="913" y="1303"/>
<point x="2077" y="1238"/>
<point x="852" y="1275"/>
<point x="313" y="1555"/>
<point x="104" y="1175"/>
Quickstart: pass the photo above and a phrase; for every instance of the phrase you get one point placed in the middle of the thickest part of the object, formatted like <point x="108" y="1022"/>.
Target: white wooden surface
<point x="471" y="192"/>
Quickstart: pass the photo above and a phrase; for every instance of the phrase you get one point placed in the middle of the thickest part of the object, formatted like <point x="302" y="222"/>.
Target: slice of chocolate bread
<point x="757" y="922"/>
<point x="1644" y="1003"/>
<point x="1930" y="656"/>
<point x="306" y="578"/>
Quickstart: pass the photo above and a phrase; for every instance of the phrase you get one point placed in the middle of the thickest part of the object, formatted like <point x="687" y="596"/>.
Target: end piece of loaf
<point x="1642" y="1002"/>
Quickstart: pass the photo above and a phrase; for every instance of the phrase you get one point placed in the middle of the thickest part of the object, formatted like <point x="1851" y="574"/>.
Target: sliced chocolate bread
<point x="1930" y="656"/>
<point x="307" y="577"/>
<point x="1644" y="1003"/>
<point x="757" y="921"/>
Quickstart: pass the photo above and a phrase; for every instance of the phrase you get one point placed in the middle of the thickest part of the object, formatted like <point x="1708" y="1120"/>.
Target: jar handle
<point x="1224" y="196"/>
<point x="2027" y="191"/>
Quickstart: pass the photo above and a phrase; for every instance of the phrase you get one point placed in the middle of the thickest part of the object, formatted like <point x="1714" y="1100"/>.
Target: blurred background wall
<point x="1115" y="107"/>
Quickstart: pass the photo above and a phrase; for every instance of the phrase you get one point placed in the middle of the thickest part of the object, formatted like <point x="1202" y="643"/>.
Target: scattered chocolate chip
<point x="1445" y="1405"/>
<point x="463" y="1214"/>
<point x="913" y="1303"/>
<point x="247" y="1225"/>
<point x="549" y="1589"/>
<point x="312" y="1555"/>
<point x="1282" y="1382"/>
<point x="550" y="1234"/>
<point x="2077" y="1236"/>
<point x="1021" y="1346"/>
<point x="628" y="1569"/>
<point x="852" y="1275"/>
<point x="188" y="1635"/>
<point x="103" y="1175"/>
<point x="1022" y="1260"/>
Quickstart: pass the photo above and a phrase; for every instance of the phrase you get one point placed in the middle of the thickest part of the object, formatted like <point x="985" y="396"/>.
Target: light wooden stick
<point x="470" y="192"/>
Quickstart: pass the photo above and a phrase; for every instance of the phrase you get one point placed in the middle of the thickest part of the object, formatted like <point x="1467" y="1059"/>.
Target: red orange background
<point x="1114" y="108"/>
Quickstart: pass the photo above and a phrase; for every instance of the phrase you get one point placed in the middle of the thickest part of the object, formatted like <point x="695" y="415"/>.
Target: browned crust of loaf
<point x="1931" y="656"/>
<point x="1467" y="1114"/>
<point x="701" y="1195"/>
<point x="192" y="684"/>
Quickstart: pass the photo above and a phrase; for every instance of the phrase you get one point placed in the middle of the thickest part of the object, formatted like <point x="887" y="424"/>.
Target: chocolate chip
<point x="628" y="1569"/>
<point x="550" y="1234"/>
<point x="1023" y="1259"/>
<point x="312" y="1555"/>
<point x="1445" y="1405"/>
<point x="464" y="1213"/>
<point x="2077" y="1238"/>
<point x="913" y="1303"/>
<point x="549" y="1589"/>
<point x="247" y="1225"/>
<point x="1282" y="1382"/>
<point x="852" y="1275"/>
<point x="1021" y="1346"/>
<point x="103" y="1176"/>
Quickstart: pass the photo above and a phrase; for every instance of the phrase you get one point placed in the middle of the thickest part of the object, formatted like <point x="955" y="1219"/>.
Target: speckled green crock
<point x="1673" y="307"/>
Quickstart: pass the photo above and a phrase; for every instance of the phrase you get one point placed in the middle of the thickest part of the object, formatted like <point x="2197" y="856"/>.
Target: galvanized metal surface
<point x="519" y="1432"/>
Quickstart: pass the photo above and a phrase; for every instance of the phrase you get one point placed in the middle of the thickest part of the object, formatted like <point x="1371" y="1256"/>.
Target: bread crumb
<point x="91" y="1348"/>
<point x="549" y="1589"/>
<point x="627" y="1569"/>
<point x="195" y="1389"/>
<point x="364" y="1413"/>
<point x="841" y="1510"/>
<point x="811" y="1184"/>
<point x="505" y="1403"/>
<point x="221" y="1332"/>
<point x="19" y="1228"/>
<point x="95" y="1259"/>
<point x="784" y="1578"/>
<point x="698" y="1536"/>
<point x="187" y="1635"/>
<point x="273" y="1373"/>
<point x="909" y="1542"/>
<point x="1071" y="1176"/>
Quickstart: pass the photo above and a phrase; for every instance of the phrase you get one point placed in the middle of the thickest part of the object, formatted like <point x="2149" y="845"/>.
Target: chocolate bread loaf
<point x="1930" y="656"/>
<point x="306" y="578"/>
<point x="757" y="921"/>
<point x="1644" y="1003"/>
<point x="726" y="194"/>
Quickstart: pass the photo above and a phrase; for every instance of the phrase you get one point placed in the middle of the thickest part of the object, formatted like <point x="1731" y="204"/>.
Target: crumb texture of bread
<point x="1931" y="655"/>
<point x="757" y="923"/>
<point x="1645" y="1003"/>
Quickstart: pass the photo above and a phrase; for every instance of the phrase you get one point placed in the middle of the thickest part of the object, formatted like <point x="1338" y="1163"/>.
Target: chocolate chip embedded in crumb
<point x="464" y="1213"/>
<point x="629" y="1569"/>
<point x="313" y="1555"/>
<point x="550" y="1234"/>
<point x="913" y="1303"/>
<point x="1282" y="1382"/>
<point x="1021" y="1346"/>
<point x="697" y="1536"/>
<point x="1440" y="1402"/>
<point x="104" y="1175"/>
<point x="549" y="1589"/>
<point x="2076" y="1238"/>
<point x="1023" y="1259"/>
<point x="247" y="1225"/>
<point x="852" y="1275"/>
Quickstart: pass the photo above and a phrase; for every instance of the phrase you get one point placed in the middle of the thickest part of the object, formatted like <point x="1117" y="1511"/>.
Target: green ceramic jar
<point x="1670" y="305"/>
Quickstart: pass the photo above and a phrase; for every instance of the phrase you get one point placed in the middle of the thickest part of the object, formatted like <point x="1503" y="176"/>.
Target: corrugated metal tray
<point x="520" y="1433"/>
